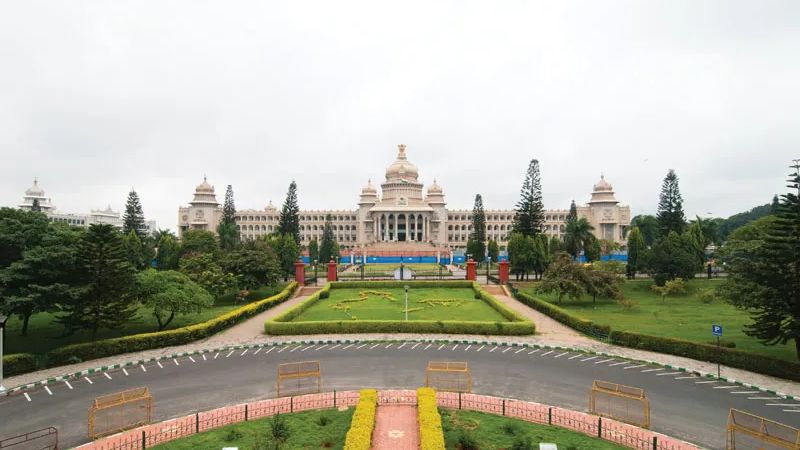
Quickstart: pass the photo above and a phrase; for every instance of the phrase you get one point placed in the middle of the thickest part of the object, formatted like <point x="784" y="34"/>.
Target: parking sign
<point x="716" y="330"/>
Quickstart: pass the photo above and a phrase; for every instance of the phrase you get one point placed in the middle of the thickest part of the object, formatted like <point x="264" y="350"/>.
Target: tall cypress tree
<point x="573" y="212"/>
<point x="133" y="218"/>
<point x="636" y="249"/>
<point x="529" y="218"/>
<point x="289" y="221"/>
<point x="227" y="230"/>
<point x="327" y="248"/>
<point x="35" y="206"/>
<point x="670" y="214"/>
<point x="478" y="235"/>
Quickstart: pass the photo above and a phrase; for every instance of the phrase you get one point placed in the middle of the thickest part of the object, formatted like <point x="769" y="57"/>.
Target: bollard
<point x="245" y="412"/>
<point x="334" y="398"/>
<point x="600" y="427"/>
<point x="144" y="440"/>
<point x="550" y="415"/>
<point x="291" y="404"/>
<point x="655" y="443"/>
<point x="504" y="407"/>
<point x="459" y="400"/>
<point x="196" y="423"/>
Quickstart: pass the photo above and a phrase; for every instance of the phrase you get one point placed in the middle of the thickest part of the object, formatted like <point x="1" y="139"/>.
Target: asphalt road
<point x="682" y="405"/>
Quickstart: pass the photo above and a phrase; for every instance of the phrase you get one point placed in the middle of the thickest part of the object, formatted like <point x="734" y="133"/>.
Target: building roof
<point x="401" y="168"/>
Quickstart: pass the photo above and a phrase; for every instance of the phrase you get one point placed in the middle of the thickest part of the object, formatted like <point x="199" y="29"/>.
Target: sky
<point x="99" y="97"/>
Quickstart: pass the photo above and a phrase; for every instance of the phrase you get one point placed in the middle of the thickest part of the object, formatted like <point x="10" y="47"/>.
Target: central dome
<point x="401" y="169"/>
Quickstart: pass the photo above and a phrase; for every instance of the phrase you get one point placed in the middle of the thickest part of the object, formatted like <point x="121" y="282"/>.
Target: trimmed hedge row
<point x="705" y="352"/>
<point x="431" y="435"/>
<point x="283" y="325"/>
<point x="583" y="325"/>
<point x="359" y="436"/>
<point x="19" y="363"/>
<point x="145" y="341"/>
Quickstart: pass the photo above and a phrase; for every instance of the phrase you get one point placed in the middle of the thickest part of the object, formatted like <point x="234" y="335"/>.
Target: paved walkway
<point x="549" y="332"/>
<point x="396" y="428"/>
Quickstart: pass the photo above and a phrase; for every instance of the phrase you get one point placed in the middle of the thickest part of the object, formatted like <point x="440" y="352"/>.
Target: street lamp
<point x="315" y="272"/>
<point x="406" y="289"/>
<point x="401" y="269"/>
<point x="488" y="263"/>
<point x="2" y="335"/>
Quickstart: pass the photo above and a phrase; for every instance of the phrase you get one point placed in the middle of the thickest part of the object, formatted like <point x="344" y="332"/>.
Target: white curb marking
<point x="522" y="349"/>
<point x="176" y="362"/>
<point x="744" y="392"/>
<point x="617" y="364"/>
<point x="142" y="366"/>
<point x="229" y="354"/>
<point x="48" y="390"/>
<point x="684" y="378"/>
<point x="667" y="373"/>
<point x="634" y="367"/>
<point x="604" y="361"/>
<point x="547" y="353"/>
<point x="245" y="351"/>
<point x="403" y="345"/>
<point x="125" y="371"/>
<point x="68" y="385"/>
<point x="192" y="359"/>
<point x="560" y="355"/>
<point x="481" y="348"/>
<point x="705" y="382"/>
<point x="509" y="348"/>
<point x="576" y="356"/>
<point x="415" y="346"/>
<point x="466" y="349"/>
<point x="724" y="387"/>
<point x="337" y="345"/>
<point x="440" y="347"/>
<point x="454" y="347"/>
<point x="374" y="346"/>
<point x="763" y="398"/>
<point x="345" y="348"/>
<point x="270" y="349"/>
<point x="534" y="351"/>
<point x="28" y="397"/>
<point x="652" y="370"/>
<point x="87" y="379"/>
<point x="259" y="349"/>
<point x="427" y="347"/>
<point x="107" y="375"/>
<point x="589" y="358"/>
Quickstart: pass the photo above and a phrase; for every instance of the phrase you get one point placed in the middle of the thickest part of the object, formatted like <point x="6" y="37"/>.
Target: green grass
<point x="304" y="427"/>
<point x="45" y="334"/>
<point x="493" y="432"/>
<point x="379" y="308"/>
<point x="681" y="317"/>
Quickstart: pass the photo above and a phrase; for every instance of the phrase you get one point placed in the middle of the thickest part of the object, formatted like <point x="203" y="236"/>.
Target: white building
<point x="404" y="216"/>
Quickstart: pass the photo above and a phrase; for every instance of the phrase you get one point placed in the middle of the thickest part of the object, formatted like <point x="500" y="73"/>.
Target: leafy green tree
<point x="35" y="206"/>
<point x="557" y="245"/>
<point x="607" y="246"/>
<point x="565" y="278"/>
<point x="529" y="217"/>
<point x="227" y="230"/>
<point x="764" y="271"/>
<point x="670" y="206"/>
<point x="648" y="226"/>
<point x="474" y="248"/>
<point x="478" y="234"/>
<point x="162" y="232"/>
<point x="43" y="276"/>
<point x="541" y="254"/>
<point x="577" y="235"/>
<point x="592" y="249"/>
<point x="313" y="250"/>
<point x="286" y="250"/>
<point x="674" y="256"/>
<point x="494" y="250"/>
<point x="520" y="254"/>
<point x="103" y="294"/>
<point x="636" y="249"/>
<point x="199" y="241"/>
<point x="328" y="247"/>
<point x="203" y="270"/>
<point x="19" y="230"/>
<point x="602" y="283"/>
<point x="168" y="253"/>
<point x="709" y="229"/>
<point x="726" y="226"/>
<point x="169" y="293"/>
<point x="289" y="219"/>
<point x="134" y="250"/>
<point x="133" y="217"/>
<point x="573" y="212"/>
<point x="254" y="264"/>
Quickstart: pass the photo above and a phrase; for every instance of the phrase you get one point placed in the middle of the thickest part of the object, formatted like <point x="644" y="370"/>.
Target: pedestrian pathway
<point x="396" y="428"/>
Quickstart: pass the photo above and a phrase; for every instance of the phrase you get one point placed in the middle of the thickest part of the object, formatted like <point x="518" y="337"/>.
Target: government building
<point x="404" y="218"/>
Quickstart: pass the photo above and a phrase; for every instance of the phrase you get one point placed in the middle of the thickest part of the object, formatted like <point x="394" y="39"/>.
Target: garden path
<point x="396" y="428"/>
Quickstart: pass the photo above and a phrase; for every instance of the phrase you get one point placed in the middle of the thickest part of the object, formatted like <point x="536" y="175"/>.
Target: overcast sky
<point x="97" y="97"/>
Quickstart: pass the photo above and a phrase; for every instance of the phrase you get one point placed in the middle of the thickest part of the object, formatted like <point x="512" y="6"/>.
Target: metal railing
<point x="44" y="439"/>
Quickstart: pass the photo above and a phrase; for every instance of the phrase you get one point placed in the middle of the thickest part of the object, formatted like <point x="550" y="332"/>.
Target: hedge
<point x="516" y="325"/>
<point x="179" y="336"/>
<point x="431" y="435"/>
<point x="19" y="363"/>
<point x="359" y="436"/>
<point x="548" y="309"/>
<point x="705" y="352"/>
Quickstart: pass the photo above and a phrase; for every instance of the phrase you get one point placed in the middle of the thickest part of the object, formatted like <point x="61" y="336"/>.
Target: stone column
<point x="502" y="272"/>
<point x="472" y="272"/>
<point x="408" y="223"/>
<point x="332" y="270"/>
<point x="299" y="272"/>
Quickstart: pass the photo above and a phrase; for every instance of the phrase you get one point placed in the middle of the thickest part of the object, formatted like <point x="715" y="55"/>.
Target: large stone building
<point x="403" y="215"/>
<point x="96" y="216"/>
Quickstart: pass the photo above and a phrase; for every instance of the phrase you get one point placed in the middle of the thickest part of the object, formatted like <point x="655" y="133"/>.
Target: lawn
<point x="305" y="432"/>
<point x="492" y="432"/>
<point x="683" y="317"/>
<point x="44" y="334"/>
<point x="442" y="304"/>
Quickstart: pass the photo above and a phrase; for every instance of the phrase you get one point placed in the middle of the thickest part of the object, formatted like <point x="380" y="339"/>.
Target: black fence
<point x="44" y="439"/>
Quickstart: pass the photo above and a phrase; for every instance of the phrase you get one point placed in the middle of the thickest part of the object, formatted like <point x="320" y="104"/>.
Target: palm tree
<point x="577" y="235"/>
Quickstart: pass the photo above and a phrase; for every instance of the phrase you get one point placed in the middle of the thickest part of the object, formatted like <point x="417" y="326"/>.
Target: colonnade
<point x="386" y="227"/>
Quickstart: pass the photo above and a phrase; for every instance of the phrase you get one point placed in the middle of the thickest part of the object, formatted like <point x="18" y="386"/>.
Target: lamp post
<point x="2" y="335"/>
<point x="488" y="263"/>
<point x="406" y="289"/>
<point x="315" y="272"/>
<point x="401" y="269"/>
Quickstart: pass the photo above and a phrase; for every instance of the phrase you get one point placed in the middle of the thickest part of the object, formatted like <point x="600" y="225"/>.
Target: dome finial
<point x="401" y="151"/>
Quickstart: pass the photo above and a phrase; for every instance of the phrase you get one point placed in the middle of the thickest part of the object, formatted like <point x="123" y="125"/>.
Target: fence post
<point x="655" y="443"/>
<point x="144" y="440"/>
<point x="504" y="407"/>
<point x="599" y="427"/>
<point x="196" y="423"/>
<point x="459" y="400"/>
<point x="291" y="404"/>
<point x="245" y="412"/>
<point x="334" y="398"/>
<point x="550" y="415"/>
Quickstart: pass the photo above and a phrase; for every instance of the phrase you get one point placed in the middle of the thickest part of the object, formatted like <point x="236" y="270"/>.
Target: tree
<point x="529" y="217"/>
<point x="474" y="249"/>
<point x="709" y="229"/>
<point x="201" y="268"/>
<point x="328" y="246"/>
<point x="168" y="293"/>
<point x="43" y="276"/>
<point x="313" y="250"/>
<point x="556" y="245"/>
<point x="133" y="217"/>
<point x="199" y="241"/>
<point x="648" y="226"/>
<point x="764" y="270"/>
<point x="478" y="234"/>
<point x="35" y="206"/>
<point x="673" y="257"/>
<point x="521" y="254"/>
<point x="577" y="235"/>
<point x="103" y="294"/>
<point x="565" y="278"/>
<point x="254" y="264"/>
<point x="19" y="230"/>
<point x="601" y="283"/>
<point x="227" y="230"/>
<point x="289" y="220"/>
<point x="573" y="212"/>
<point x="168" y="253"/>
<point x="727" y="226"/>
<point x="592" y="249"/>
<point x="494" y="250"/>
<point x="134" y="250"/>
<point x="608" y="246"/>
<point x="541" y="254"/>
<point x="636" y="249"/>
<point x="286" y="250"/>
<point x="670" y="206"/>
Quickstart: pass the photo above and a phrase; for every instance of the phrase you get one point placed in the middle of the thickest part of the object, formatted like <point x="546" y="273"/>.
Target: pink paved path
<point x="396" y="428"/>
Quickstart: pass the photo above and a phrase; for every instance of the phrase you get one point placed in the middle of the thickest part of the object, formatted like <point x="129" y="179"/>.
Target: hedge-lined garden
<point x="359" y="437"/>
<point x="292" y="322"/>
<point x="22" y="363"/>
<point x="431" y="436"/>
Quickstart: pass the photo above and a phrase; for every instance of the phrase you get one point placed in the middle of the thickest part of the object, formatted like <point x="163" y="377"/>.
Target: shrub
<point x="466" y="440"/>
<point x="626" y="303"/>
<point x="582" y="325"/>
<point x="167" y="338"/>
<point x="323" y="419"/>
<point x="707" y="295"/>
<point x="233" y="434"/>
<point x="19" y="363"/>
<point x="522" y="443"/>
<point x="359" y="436"/>
<point x="431" y="435"/>
<point x="671" y="288"/>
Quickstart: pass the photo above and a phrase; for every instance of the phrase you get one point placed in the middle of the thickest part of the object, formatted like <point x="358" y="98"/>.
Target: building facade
<point x="96" y="216"/>
<point x="405" y="215"/>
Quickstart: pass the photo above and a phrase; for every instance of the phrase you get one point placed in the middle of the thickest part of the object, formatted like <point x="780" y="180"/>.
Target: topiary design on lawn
<point x="362" y="296"/>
